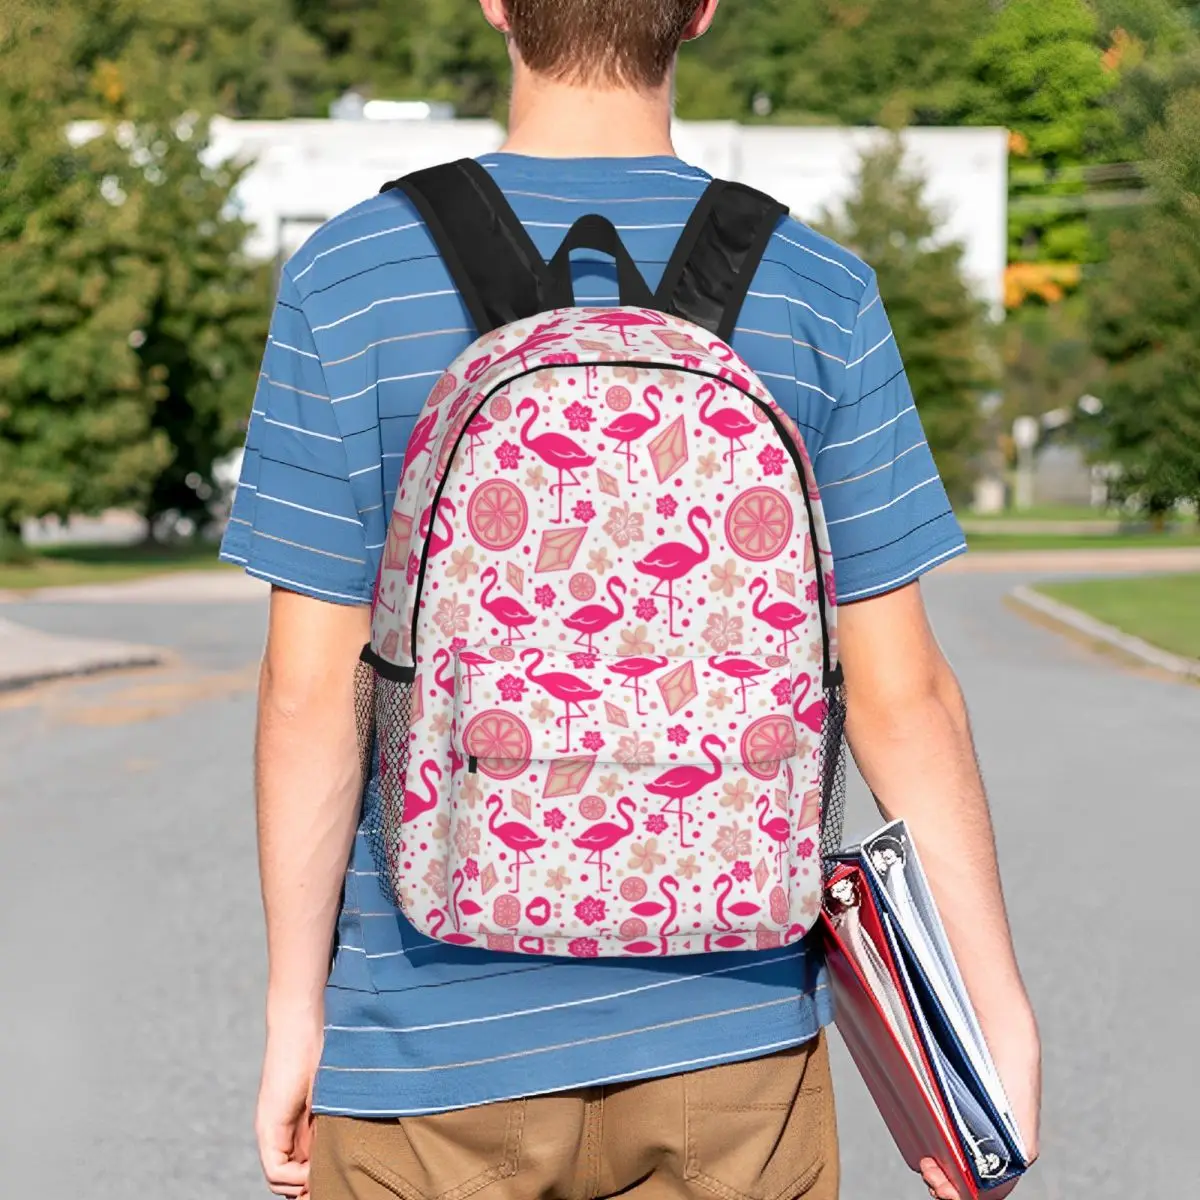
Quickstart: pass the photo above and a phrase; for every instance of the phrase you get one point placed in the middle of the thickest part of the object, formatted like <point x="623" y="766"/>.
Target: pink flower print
<point x="633" y="642"/>
<point x="646" y="609"/>
<point x="590" y="910"/>
<point x="609" y="785"/>
<point x="412" y="569"/>
<point x="471" y="869"/>
<point x="583" y="511"/>
<point x="466" y="838"/>
<point x="451" y="617"/>
<point x="830" y="588"/>
<point x="629" y="374"/>
<point x="677" y="735"/>
<point x="666" y="506"/>
<point x="584" y="947"/>
<point x="598" y="560"/>
<point x="462" y="565"/>
<point x="805" y="848"/>
<point x="557" y="878"/>
<point x="656" y="823"/>
<point x="440" y="724"/>
<point x="579" y="417"/>
<point x="736" y="795"/>
<point x="508" y="455"/>
<point x="592" y="740"/>
<point x="731" y="842"/>
<point x="470" y="791"/>
<point x="457" y="644"/>
<point x="725" y="578"/>
<point x="581" y="660"/>
<point x="544" y="596"/>
<point x="535" y="478"/>
<point x="812" y="591"/>
<point x="741" y="870"/>
<point x="645" y="856"/>
<point x="723" y="630"/>
<point x="510" y="687"/>
<point x="718" y="698"/>
<point x="435" y="878"/>
<point x="541" y="711"/>
<point x="554" y="819"/>
<point x="687" y="868"/>
<point x="782" y="691"/>
<point x="771" y="459"/>
<point x="634" y="753"/>
<point x="708" y="465"/>
<point x="624" y="525"/>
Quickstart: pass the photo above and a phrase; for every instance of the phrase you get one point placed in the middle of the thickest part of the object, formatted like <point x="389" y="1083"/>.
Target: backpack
<point x="602" y="682"/>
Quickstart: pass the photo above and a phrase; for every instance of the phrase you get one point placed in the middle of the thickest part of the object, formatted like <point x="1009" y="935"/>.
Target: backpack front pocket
<point x="625" y="805"/>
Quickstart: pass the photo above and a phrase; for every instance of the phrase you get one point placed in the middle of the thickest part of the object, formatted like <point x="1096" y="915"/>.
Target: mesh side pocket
<point x="833" y="771"/>
<point x="364" y="715"/>
<point x="383" y="810"/>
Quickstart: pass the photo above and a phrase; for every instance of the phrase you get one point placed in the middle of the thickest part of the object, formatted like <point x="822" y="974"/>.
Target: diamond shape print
<point x="418" y="702"/>
<point x="678" y="687"/>
<point x="810" y="810"/>
<point x="567" y="776"/>
<point x="786" y="581"/>
<point x="616" y="715"/>
<point x="395" y="555"/>
<point x="558" y="548"/>
<point x="488" y="878"/>
<point x="761" y="874"/>
<point x="515" y="577"/>
<point x="608" y="483"/>
<point x="523" y="804"/>
<point x="668" y="451"/>
<point x="810" y="561"/>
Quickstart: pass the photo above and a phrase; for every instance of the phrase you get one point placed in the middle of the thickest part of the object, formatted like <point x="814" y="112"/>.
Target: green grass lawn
<point x="1048" y="512"/>
<point x="1161" y="609"/>
<point x="1081" y="541"/>
<point x="63" y="566"/>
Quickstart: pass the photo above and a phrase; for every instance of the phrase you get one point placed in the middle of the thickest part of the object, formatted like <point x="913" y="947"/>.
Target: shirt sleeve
<point x="889" y="518"/>
<point x="295" y="522"/>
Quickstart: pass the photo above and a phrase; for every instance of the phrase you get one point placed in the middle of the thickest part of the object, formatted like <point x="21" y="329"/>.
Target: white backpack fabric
<point x="606" y="700"/>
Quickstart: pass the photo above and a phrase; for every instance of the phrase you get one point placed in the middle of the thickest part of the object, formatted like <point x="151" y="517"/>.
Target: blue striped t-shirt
<point x="367" y="318"/>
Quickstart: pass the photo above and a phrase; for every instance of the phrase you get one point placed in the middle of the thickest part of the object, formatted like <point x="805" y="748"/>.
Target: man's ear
<point x="496" y="14"/>
<point x="698" y="26"/>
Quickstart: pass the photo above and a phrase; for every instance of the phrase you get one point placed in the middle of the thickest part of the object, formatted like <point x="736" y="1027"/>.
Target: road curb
<point x="29" y="656"/>
<point x="1071" y="620"/>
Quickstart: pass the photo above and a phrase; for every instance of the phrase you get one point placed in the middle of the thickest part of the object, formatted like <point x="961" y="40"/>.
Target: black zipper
<point x="832" y="677"/>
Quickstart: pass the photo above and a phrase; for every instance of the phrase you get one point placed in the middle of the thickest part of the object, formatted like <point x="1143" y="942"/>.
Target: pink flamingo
<point x="512" y="614"/>
<point x="673" y="560"/>
<point x="622" y="320"/>
<point x="592" y="619"/>
<point x="462" y="908"/>
<point x="555" y="450"/>
<point x="436" y="918"/>
<point x="630" y="426"/>
<point x="570" y="689"/>
<point x="727" y="422"/>
<point x="438" y="543"/>
<point x="517" y="837"/>
<point x="782" y="615"/>
<point x="651" y="908"/>
<point x="635" y="670"/>
<point x="473" y="662"/>
<point x="745" y="670"/>
<point x="679" y="783"/>
<point x="421" y="437"/>
<point x="812" y="717"/>
<point x="542" y="337"/>
<point x="598" y="839"/>
<point x="416" y="805"/>
<point x="740" y="909"/>
<point x="475" y="430"/>
<point x="776" y="829"/>
<point x="726" y="354"/>
<point x="441" y="658"/>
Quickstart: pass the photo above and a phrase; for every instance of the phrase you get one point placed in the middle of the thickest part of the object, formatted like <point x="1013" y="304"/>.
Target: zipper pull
<point x="472" y="765"/>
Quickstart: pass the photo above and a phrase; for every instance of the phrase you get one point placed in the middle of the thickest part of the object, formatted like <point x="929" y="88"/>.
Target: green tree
<point x="941" y="327"/>
<point x="1146" y="325"/>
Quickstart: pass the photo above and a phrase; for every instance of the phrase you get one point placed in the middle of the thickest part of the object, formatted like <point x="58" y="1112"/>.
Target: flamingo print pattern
<point x="610" y="551"/>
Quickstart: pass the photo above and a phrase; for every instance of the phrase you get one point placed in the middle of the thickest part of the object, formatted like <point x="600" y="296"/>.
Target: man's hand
<point x="908" y="728"/>
<point x="283" y="1120"/>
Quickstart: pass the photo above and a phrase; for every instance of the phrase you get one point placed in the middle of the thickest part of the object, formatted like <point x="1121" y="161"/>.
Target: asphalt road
<point x="131" y="947"/>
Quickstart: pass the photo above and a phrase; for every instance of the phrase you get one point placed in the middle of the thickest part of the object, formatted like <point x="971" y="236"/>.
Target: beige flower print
<point x="736" y="795"/>
<point x="718" y="698"/>
<point x="598" y="560"/>
<point x="451" y="617"/>
<point x="441" y="827"/>
<point x="632" y="752"/>
<point x="609" y="785"/>
<point x="732" y="842"/>
<point x="635" y="641"/>
<point x="624" y="525"/>
<point x="645" y="856"/>
<point x="708" y="465"/>
<point x="687" y="868"/>
<point x="470" y="791"/>
<point x="435" y="878"/>
<point x="466" y="839"/>
<point x="462" y="565"/>
<point x="725" y="578"/>
<point x="557" y="878"/>
<point x="535" y="478"/>
<point x="541" y="711"/>
<point x="723" y="630"/>
<point x="440" y="724"/>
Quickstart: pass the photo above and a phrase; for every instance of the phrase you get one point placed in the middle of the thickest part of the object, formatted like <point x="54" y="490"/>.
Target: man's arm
<point x="909" y="732"/>
<point x="309" y="784"/>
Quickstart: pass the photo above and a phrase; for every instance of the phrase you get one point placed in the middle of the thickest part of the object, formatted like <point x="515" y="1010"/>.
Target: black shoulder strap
<point x="491" y="258"/>
<point x="710" y="271"/>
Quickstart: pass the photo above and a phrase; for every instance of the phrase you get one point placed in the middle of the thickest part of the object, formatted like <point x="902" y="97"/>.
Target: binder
<point x="905" y="1015"/>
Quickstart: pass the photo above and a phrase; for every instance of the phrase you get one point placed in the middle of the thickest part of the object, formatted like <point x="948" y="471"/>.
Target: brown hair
<point x="622" y="42"/>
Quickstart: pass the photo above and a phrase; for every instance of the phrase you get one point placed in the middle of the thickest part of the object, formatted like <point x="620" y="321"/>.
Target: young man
<point x="439" y="1071"/>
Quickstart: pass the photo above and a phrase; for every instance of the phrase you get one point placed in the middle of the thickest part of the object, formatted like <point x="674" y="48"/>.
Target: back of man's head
<point x="613" y="43"/>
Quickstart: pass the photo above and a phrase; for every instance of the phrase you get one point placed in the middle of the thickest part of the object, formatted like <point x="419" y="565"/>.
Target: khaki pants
<point x="757" y="1130"/>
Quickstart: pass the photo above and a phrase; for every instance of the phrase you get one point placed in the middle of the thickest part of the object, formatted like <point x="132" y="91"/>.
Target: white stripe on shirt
<point x="386" y="300"/>
<point x="870" y="512"/>
<point x="863" y="359"/>
<point x="824" y="258"/>
<point x="870" y="432"/>
<point x="800" y="304"/>
<point x="316" y="512"/>
<point x="366" y="237"/>
<point x="907" y="577"/>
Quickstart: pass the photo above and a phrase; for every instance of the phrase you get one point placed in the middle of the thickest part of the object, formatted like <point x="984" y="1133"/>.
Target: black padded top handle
<point x="713" y="264"/>
<point x="491" y="258"/>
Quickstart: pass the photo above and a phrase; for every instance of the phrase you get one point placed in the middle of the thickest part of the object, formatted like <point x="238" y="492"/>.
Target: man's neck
<point x="548" y="119"/>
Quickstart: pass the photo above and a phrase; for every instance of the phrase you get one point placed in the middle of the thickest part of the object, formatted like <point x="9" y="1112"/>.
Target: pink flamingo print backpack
<point x="602" y="679"/>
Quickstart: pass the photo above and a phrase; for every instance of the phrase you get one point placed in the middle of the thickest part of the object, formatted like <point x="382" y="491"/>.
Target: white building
<point x="307" y="171"/>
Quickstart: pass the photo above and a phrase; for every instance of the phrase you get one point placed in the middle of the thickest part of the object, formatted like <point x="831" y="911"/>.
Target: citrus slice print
<point x="500" y="741"/>
<point x="582" y="586"/>
<point x="618" y="398"/>
<point x="765" y="743"/>
<point x="497" y="514"/>
<point x="758" y="524"/>
<point x="500" y="408"/>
